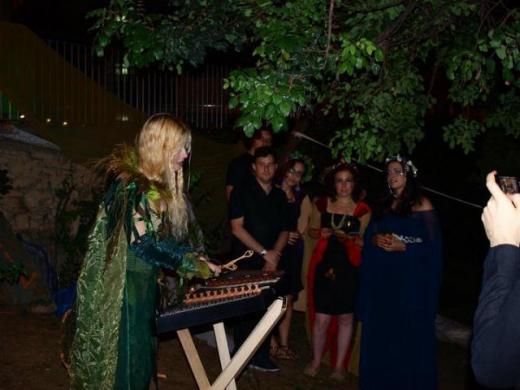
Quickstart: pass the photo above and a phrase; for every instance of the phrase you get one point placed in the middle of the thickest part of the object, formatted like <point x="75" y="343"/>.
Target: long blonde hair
<point x="160" y="139"/>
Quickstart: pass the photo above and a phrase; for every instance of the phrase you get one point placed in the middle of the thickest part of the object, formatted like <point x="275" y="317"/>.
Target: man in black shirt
<point x="496" y="329"/>
<point x="259" y="221"/>
<point x="239" y="169"/>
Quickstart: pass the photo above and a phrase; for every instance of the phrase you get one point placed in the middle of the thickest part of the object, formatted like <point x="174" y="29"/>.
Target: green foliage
<point x="377" y="66"/>
<point x="462" y="132"/>
<point x="183" y="34"/>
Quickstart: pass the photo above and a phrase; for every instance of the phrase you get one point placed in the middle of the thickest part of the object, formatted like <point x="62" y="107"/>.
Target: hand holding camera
<point x="501" y="216"/>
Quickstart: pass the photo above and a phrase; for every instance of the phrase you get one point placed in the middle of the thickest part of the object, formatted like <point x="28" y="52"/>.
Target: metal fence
<point x="197" y="95"/>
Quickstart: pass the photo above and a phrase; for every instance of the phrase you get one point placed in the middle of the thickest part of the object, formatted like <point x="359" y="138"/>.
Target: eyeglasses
<point x="294" y="172"/>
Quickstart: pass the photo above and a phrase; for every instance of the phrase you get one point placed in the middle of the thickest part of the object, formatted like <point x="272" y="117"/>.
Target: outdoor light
<point x="48" y="120"/>
<point x="22" y="116"/>
<point x="121" y="69"/>
<point x="65" y="123"/>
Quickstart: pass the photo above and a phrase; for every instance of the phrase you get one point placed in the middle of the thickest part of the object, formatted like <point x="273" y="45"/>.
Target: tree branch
<point x="410" y="7"/>
<point x="329" y="31"/>
<point x="378" y="8"/>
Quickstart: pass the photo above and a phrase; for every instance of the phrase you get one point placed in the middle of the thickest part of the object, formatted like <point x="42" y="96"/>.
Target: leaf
<point x="285" y="108"/>
<point x="103" y="40"/>
<point x="501" y="52"/>
<point x="359" y="62"/>
<point x="379" y="55"/>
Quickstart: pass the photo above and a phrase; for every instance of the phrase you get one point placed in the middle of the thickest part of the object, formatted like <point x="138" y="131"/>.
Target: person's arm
<point x="314" y="228"/>
<point x="364" y="220"/>
<point x="305" y="215"/>
<point x="283" y="236"/>
<point x="236" y="218"/>
<point x="229" y="189"/>
<point x="496" y="328"/>
<point x="167" y="252"/>
<point x="240" y="232"/>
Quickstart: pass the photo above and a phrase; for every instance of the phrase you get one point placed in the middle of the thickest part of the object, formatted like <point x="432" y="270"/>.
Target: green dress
<point x="114" y="345"/>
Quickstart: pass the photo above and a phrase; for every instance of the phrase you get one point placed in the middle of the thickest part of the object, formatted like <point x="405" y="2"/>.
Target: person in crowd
<point x="399" y="286"/>
<point x="496" y="331"/>
<point x="291" y="260"/>
<point x="259" y="221"/>
<point x="142" y="225"/>
<point x="239" y="169"/>
<point x="332" y="277"/>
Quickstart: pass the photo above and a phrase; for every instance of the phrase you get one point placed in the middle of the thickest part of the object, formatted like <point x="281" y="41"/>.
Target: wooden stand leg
<point x="231" y="367"/>
<point x="223" y="350"/>
<point x="193" y="358"/>
<point x="252" y="343"/>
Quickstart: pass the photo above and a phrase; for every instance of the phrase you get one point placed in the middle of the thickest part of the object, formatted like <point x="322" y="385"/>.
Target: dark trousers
<point x="243" y="328"/>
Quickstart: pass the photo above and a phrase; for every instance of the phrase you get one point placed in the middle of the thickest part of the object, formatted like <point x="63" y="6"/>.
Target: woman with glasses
<point x="291" y="176"/>
<point x="332" y="277"/>
<point x="399" y="285"/>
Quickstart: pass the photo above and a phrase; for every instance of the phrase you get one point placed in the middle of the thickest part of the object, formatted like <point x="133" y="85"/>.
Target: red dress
<point x="352" y="255"/>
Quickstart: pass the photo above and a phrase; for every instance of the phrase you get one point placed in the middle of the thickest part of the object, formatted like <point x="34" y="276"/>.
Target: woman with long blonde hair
<point x="142" y="225"/>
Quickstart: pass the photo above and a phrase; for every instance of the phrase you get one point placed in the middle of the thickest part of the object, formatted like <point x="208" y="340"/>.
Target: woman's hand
<point x="314" y="233"/>
<point x="325" y="232"/>
<point x="216" y="269"/>
<point x="389" y="243"/>
<point x="501" y="216"/>
<point x="381" y="240"/>
<point x="293" y="237"/>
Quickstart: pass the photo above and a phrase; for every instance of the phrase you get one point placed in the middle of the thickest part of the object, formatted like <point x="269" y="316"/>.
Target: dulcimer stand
<point x="231" y="367"/>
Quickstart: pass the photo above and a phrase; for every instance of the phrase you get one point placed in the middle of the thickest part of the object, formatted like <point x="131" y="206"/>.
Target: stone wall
<point x="36" y="173"/>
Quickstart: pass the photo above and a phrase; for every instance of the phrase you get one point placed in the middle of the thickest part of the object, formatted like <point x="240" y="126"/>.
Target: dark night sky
<point x="56" y="19"/>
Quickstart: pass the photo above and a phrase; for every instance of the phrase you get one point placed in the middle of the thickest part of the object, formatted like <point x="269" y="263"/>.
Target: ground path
<point x="29" y="348"/>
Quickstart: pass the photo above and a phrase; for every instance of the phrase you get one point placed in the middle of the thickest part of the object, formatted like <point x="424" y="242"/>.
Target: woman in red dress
<point x="333" y="276"/>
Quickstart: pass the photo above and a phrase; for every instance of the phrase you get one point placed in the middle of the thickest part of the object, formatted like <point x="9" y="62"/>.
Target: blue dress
<point x="398" y="304"/>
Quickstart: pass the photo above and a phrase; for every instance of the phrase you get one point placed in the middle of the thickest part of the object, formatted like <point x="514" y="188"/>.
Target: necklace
<point x="341" y="222"/>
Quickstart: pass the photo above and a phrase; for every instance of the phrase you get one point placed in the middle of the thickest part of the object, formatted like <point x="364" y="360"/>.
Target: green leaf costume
<point x="114" y="345"/>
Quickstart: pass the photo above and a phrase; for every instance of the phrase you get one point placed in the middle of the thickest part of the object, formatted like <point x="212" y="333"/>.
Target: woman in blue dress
<point x="399" y="285"/>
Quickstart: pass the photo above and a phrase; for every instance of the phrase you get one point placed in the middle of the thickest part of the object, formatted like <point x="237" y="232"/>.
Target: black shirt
<point x="239" y="170"/>
<point x="265" y="217"/>
<point x="496" y="328"/>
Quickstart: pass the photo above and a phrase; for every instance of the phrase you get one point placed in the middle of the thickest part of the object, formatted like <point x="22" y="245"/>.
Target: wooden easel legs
<point x="230" y="367"/>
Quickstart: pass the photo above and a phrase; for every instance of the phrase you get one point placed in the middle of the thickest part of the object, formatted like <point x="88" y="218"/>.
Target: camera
<point x="508" y="184"/>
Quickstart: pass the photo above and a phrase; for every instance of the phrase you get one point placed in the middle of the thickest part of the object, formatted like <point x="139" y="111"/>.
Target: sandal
<point x="285" y="353"/>
<point x="310" y="371"/>
<point x="338" y="376"/>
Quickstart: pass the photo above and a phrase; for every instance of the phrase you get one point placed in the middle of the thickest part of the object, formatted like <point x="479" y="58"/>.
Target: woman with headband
<point x="399" y="286"/>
